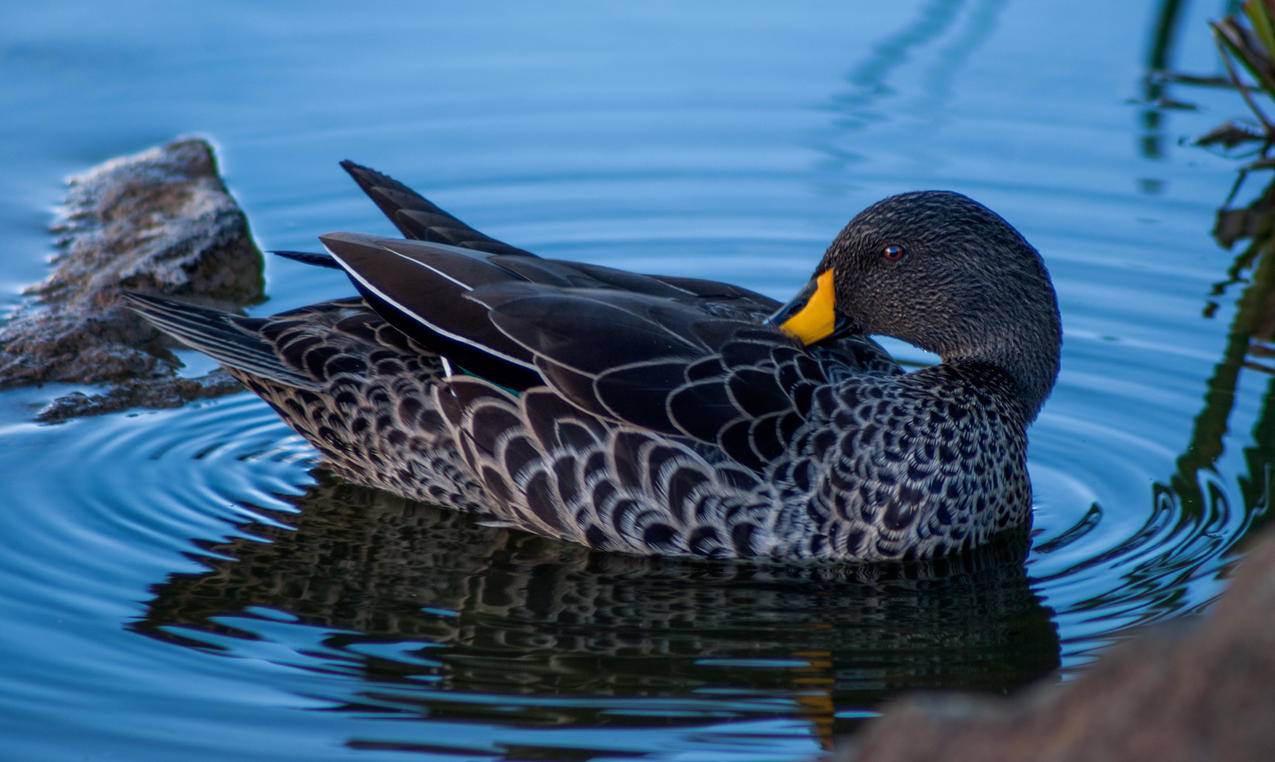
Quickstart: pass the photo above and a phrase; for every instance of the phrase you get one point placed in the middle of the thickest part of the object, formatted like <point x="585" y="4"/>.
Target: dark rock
<point x="160" y="221"/>
<point x="153" y="393"/>
<point x="1203" y="689"/>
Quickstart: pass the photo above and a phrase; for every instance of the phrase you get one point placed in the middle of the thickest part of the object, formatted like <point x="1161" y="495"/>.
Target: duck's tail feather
<point x="309" y="258"/>
<point x="419" y="218"/>
<point x="229" y="339"/>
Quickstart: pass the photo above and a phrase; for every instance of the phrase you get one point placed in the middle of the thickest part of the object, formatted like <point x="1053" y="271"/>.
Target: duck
<point x="669" y="415"/>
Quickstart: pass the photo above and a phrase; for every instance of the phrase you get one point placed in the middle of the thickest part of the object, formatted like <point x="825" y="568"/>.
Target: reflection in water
<point x="1194" y="519"/>
<point x="430" y="614"/>
<point x="420" y="615"/>
<point x="634" y="129"/>
<point x="867" y="79"/>
<point x="1166" y="25"/>
<point x="867" y="82"/>
<point x="1250" y="345"/>
<point x="979" y="25"/>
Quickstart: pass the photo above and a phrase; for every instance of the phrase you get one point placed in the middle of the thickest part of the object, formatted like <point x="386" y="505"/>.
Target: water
<point x="184" y="584"/>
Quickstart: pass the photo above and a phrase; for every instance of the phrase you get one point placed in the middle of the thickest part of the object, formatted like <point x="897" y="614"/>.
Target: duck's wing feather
<point x="662" y="365"/>
<point x="419" y="288"/>
<point x="308" y="258"/>
<point x="420" y="219"/>
<point x="424" y="288"/>
<point x="679" y="356"/>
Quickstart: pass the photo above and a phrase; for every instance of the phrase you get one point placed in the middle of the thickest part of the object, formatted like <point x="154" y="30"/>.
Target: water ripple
<point x="184" y="584"/>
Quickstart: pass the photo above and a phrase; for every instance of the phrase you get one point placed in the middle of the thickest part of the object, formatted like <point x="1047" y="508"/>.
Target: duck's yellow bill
<point x="811" y="315"/>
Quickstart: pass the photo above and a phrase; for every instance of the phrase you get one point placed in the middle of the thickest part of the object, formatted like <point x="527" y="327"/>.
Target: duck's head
<point x="945" y="273"/>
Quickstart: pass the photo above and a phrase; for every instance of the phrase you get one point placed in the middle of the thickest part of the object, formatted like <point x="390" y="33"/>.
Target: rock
<point x="153" y="393"/>
<point x="160" y="221"/>
<point x="1203" y="689"/>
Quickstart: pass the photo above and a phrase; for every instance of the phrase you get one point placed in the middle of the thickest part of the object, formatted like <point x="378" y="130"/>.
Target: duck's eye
<point x="893" y="252"/>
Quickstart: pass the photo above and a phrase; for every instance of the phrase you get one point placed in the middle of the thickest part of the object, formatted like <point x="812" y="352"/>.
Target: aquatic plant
<point x="1252" y="45"/>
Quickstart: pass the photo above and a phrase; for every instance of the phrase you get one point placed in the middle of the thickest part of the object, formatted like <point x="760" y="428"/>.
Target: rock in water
<point x="1195" y="690"/>
<point x="159" y="221"/>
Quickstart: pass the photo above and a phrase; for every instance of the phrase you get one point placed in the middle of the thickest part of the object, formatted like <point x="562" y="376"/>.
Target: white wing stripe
<point x="431" y="268"/>
<point x="454" y="337"/>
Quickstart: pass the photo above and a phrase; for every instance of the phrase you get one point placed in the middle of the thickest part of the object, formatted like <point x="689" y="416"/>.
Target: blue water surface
<point x="189" y="584"/>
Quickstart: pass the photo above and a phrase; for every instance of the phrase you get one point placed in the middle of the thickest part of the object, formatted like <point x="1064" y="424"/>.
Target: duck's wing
<point x="425" y="290"/>
<point x="415" y="216"/>
<point x="665" y="366"/>
<point x="420" y="287"/>
<point x="683" y="357"/>
<point x="420" y="219"/>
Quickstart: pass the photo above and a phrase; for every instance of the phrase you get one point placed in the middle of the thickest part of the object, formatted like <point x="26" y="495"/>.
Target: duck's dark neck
<point x="1028" y="355"/>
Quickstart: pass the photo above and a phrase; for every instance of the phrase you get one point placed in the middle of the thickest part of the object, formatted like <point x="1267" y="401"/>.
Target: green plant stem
<point x="1244" y="93"/>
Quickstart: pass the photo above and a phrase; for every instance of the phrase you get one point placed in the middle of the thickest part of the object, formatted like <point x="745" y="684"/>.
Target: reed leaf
<point x="1259" y="15"/>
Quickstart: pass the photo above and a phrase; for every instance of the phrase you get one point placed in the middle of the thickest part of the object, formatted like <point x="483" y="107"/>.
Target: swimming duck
<point x="669" y="415"/>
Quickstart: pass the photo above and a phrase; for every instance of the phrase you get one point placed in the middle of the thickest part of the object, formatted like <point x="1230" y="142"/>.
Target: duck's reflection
<point x="419" y="596"/>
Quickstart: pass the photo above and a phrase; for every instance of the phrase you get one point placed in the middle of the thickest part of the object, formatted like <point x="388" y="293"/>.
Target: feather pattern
<point x="626" y="412"/>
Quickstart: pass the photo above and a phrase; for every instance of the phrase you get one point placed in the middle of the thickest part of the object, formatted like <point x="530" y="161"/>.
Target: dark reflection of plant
<point x="507" y="614"/>
<point x="1245" y="39"/>
<point x="1167" y="22"/>
<point x="1248" y="346"/>
<point x="1191" y="506"/>
<point x="1191" y="509"/>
